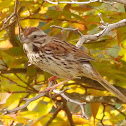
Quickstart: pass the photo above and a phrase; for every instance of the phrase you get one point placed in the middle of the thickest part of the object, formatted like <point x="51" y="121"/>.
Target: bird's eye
<point x="35" y="36"/>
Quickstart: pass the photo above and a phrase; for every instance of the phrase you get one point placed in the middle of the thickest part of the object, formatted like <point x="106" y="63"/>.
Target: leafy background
<point x="18" y="81"/>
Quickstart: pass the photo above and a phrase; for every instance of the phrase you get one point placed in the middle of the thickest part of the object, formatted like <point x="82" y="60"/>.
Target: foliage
<point x="19" y="81"/>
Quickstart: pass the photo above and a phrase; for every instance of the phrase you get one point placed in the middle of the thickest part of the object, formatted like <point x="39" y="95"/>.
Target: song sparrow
<point x="61" y="58"/>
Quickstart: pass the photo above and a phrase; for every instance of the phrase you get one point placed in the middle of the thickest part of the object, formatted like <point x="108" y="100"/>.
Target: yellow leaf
<point x="61" y="114"/>
<point x="80" y="121"/>
<point x="81" y="27"/>
<point x="5" y="44"/>
<point x="4" y="97"/>
<point x="13" y="101"/>
<point x="33" y="104"/>
<point x="44" y="108"/>
<point x="32" y="115"/>
<point x="94" y="108"/>
<point x="29" y="23"/>
<point x="43" y="10"/>
<point x="6" y="120"/>
<point x="56" y="122"/>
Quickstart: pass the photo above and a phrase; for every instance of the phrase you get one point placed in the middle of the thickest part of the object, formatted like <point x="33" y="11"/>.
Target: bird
<point x="61" y="59"/>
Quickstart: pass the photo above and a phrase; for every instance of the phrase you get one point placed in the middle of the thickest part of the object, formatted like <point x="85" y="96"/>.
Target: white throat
<point x="28" y="47"/>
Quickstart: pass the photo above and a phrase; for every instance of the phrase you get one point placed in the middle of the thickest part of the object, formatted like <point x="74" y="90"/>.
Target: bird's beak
<point x="24" y="40"/>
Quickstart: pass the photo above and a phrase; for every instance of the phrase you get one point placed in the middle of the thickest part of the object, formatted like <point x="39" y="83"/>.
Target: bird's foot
<point x="51" y="85"/>
<point x="53" y="78"/>
<point x="51" y="82"/>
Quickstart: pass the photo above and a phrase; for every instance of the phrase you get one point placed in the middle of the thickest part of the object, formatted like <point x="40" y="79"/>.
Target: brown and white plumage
<point x="61" y="58"/>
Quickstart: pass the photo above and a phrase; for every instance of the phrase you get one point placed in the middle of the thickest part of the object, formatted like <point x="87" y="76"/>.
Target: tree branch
<point x="41" y="94"/>
<point x="13" y="81"/>
<point x="105" y="31"/>
<point x="87" y="38"/>
<point x="93" y="99"/>
<point x="103" y="115"/>
<point x="114" y="107"/>
<point x="17" y="18"/>
<point x="85" y="2"/>
<point x="68" y="113"/>
<point x="87" y="81"/>
<point x="11" y="34"/>
<point x="17" y="70"/>
<point x="28" y="101"/>
<point x="118" y="1"/>
<point x="94" y="84"/>
<point x="54" y="116"/>
<point x="72" y="2"/>
<point x="72" y="101"/>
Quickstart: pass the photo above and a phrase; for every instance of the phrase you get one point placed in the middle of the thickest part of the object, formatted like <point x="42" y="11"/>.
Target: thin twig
<point x="20" y="78"/>
<point x="93" y="99"/>
<point x="88" y="82"/>
<point x="21" y="100"/>
<point x="5" y="65"/>
<point x="17" y="18"/>
<point x="17" y="70"/>
<point x="103" y="115"/>
<point x="85" y="2"/>
<point x="118" y="1"/>
<point x="71" y="100"/>
<point x="16" y="14"/>
<point x="29" y="100"/>
<point x="68" y="113"/>
<point x="43" y="19"/>
<point x="54" y="116"/>
<point x="102" y="21"/>
<point x="13" y="81"/>
<point x="88" y="38"/>
<point x="12" y="15"/>
<point x="67" y="29"/>
<point x="72" y="2"/>
<point x="113" y="106"/>
<point x="27" y="87"/>
<point x="14" y="92"/>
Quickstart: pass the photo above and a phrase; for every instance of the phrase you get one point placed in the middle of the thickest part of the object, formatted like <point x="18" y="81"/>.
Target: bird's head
<point x="33" y="34"/>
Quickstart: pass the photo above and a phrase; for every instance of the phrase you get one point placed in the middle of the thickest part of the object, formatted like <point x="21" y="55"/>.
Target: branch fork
<point x="72" y="101"/>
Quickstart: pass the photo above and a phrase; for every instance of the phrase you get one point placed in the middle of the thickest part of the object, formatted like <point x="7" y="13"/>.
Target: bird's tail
<point x="93" y="74"/>
<point x="111" y="88"/>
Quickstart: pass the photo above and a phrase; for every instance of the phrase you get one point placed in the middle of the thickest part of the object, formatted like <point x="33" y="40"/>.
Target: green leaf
<point x="15" y="51"/>
<point x="114" y="51"/>
<point x="31" y="73"/>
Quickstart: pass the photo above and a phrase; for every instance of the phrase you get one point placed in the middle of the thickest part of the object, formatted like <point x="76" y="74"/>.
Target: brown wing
<point x="62" y="48"/>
